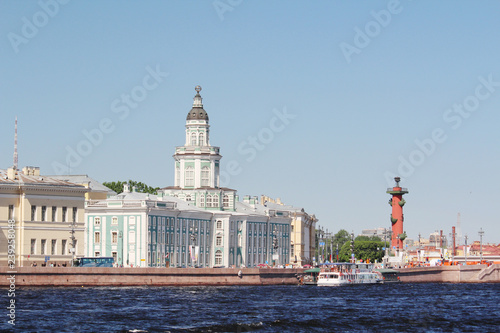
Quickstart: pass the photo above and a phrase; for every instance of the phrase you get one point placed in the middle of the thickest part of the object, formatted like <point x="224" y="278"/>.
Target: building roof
<point x="197" y="112"/>
<point x="178" y="188"/>
<point x="94" y="185"/>
<point x="35" y="180"/>
<point x="138" y="196"/>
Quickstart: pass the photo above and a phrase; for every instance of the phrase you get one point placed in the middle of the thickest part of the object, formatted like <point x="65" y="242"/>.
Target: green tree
<point x="140" y="187"/>
<point x="368" y="238"/>
<point x="362" y="250"/>
<point x="340" y="238"/>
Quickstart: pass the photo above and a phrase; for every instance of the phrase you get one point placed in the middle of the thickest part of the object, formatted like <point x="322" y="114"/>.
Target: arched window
<point x="202" y="200"/>
<point x="205" y="176"/>
<point x="225" y="201"/>
<point x="189" y="176"/>
<point x="218" y="258"/>
<point x="218" y="241"/>
<point x="202" y="139"/>
<point x="209" y="200"/>
<point x="188" y="197"/>
<point x="193" y="139"/>
<point x="215" y="200"/>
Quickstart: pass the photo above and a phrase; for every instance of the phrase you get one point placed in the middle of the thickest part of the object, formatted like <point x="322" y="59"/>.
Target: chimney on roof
<point x="31" y="171"/>
<point x="126" y="188"/>
<point x="11" y="173"/>
<point x="134" y="188"/>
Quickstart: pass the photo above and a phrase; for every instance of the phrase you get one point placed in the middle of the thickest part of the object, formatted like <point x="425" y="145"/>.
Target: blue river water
<point x="425" y="307"/>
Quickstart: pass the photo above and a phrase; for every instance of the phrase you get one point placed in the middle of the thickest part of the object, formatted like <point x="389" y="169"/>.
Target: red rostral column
<point x="397" y="202"/>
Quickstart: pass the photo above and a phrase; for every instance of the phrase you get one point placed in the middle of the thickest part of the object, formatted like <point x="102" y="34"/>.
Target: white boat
<point x="348" y="273"/>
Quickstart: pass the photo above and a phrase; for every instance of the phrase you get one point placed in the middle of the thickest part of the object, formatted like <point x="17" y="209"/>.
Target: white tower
<point x="197" y="163"/>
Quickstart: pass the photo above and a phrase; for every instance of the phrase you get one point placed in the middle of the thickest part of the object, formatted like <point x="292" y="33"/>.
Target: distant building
<point x="44" y="211"/>
<point x="97" y="191"/>
<point x="382" y="233"/>
<point x="302" y="234"/>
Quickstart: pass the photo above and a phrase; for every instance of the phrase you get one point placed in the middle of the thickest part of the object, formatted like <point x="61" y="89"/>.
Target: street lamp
<point x="193" y="231"/>
<point x="120" y="236"/>
<point x="465" y="249"/>
<point x="481" y="233"/>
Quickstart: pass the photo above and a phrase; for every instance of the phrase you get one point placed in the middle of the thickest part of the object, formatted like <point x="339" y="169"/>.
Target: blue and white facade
<point x="142" y="230"/>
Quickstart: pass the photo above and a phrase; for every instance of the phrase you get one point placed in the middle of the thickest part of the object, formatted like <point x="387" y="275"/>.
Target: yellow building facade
<point x="43" y="214"/>
<point x="303" y="226"/>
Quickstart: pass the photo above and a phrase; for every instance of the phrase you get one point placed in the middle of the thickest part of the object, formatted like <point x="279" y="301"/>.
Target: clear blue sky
<point x="362" y="86"/>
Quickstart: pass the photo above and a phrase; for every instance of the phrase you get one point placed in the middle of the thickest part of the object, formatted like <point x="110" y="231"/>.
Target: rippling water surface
<point x="371" y="308"/>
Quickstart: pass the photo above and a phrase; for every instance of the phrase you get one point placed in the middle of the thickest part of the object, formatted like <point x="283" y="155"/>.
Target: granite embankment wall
<point x="100" y="276"/>
<point x="454" y="274"/>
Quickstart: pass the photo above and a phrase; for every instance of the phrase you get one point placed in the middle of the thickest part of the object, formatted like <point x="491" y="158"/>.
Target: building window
<point x="11" y="212"/>
<point x="177" y="176"/>
<point x="63" y="246"/>
<point x="97" y="221"/>
<point x="44" y="213"/>
<point x="97" y="237"/>
<point x="189" y="176"/>
<point x="188" y="197"/>
<point x="205" y="176"/>
<point x="218" y="241"/>
<point x="33" y="246"/>
<point x="218" y="258"/>
<point x="54" y="213"/>
<point x="225" y="201"/>
<point x="64" y="214"/>
<point x="115" y="256"/>
<point x="114" y="220"/>
<point x="202" y="200"/>
<point x="43" y="247"/>
<point x="97" y="254"/>
<point x="193" y="139"/>
<point x="209" y="200"/>
<point x="53" y="247"/>
<point x="219" y="224"/>
<point x="215" y="200"/>
<point x="114" y="237"/>
<point x="33" y="213"/>
<point x="75" y="212"/>
<point x="202" y="139"/>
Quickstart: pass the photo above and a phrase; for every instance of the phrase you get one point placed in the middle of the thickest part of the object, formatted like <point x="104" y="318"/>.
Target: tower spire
<point x="15" y="146"/>
<point x="197" y="98"/>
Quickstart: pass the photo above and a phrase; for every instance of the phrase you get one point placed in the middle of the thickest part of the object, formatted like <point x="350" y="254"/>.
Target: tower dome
<point x="197" y="112"/>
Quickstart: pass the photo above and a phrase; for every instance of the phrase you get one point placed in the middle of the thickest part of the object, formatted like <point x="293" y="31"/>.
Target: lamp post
<point x="275" y="245"/>
<point x="120" y="236"/>
<point x="481" y="233"/>
<point x="465" y="249"/>
<point x="192" y="233"/>
<point x="352" y="248"/>
<point x="73" y="242"/>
